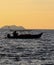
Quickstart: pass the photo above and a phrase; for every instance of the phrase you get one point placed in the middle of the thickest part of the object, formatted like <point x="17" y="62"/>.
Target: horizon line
<point x="29" y="28"/>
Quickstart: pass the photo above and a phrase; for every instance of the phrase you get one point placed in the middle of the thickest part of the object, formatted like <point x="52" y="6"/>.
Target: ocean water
<point x="27" y="51"/>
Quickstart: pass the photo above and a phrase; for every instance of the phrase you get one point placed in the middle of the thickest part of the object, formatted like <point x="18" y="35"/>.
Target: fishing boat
<point x="25" y="36"/>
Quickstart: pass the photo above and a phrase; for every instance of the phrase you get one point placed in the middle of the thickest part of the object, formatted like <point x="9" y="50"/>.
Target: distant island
<point x="13" y="27"/>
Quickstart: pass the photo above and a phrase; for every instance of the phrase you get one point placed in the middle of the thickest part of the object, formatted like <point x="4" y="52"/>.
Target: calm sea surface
<point x="27" y="51"/>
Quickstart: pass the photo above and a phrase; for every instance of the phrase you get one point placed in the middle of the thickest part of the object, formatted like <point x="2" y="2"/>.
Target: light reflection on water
<point x="27" y="51"/>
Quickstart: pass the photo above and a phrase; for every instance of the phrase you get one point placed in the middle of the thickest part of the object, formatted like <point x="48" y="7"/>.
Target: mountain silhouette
<point x="14" y="27"/>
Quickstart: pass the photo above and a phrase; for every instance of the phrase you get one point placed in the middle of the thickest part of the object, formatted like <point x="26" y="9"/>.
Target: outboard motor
<point x="8" y="35"/>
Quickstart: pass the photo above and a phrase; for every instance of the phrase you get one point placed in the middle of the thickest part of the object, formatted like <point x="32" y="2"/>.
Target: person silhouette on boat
<point x="15" y="34"/>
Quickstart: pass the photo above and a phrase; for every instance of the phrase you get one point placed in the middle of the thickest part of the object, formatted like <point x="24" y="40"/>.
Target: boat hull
<point x="25" y="36"/>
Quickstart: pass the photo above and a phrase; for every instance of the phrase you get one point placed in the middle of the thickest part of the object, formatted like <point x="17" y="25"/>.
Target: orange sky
<point x="28" y="13"/>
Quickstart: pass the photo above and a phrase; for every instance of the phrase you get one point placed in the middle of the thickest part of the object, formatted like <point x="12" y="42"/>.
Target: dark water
<point x="27" y="51"/>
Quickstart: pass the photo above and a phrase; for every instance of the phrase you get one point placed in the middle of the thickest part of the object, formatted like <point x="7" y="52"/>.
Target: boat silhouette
<point x="24" y="36"/>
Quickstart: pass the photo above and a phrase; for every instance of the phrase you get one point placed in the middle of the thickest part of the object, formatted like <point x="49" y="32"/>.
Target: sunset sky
<point x="38" y="14"/>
